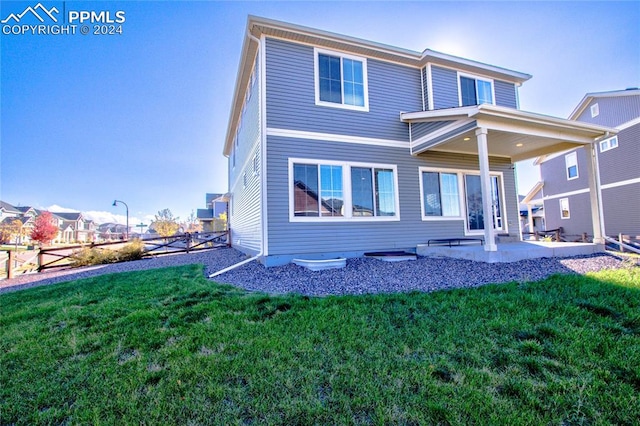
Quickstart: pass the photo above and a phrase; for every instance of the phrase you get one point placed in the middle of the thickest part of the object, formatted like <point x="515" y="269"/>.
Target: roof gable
<point x="69" y="216"/>
<point x="589" y="97"/>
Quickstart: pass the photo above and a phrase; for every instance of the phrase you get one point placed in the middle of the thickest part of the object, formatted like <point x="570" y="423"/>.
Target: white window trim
<point x="462" y="198"/>
<point x="573" y="154"/>
<point x="595" y="110"/>
<point x="476" y="77"/>
<point x="346" y="188"/>
<point x="458" y="173"/>
<point x="316" y="71"/>
<point x="505" y="221"/>
<point x="608" y="145"/>
<point x="568" y="208"/>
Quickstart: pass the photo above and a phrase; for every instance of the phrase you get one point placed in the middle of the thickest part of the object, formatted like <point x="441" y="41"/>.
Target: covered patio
<point x="511" y="252"/>
<point x="492" y="131"/>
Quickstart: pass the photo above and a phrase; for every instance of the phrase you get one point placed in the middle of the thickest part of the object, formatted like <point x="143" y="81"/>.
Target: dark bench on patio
<point x="454" y="241"/>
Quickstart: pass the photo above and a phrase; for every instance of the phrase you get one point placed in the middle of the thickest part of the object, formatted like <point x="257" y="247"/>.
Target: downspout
<point x="251" y="259"/>
<point x="259" y="255"/>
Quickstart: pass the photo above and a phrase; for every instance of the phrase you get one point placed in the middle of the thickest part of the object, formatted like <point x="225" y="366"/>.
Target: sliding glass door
<point x="475" y="209"/>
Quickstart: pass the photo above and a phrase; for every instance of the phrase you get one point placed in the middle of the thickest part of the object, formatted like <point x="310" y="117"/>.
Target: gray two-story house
<point x="567" y="201"/>
<point x="339" y="146"/>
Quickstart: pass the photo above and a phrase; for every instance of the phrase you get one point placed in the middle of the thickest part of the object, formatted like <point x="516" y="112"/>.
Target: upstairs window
<point x="475" y="91"/>
<point x="608" y="144"/>
<point x="595" y="110"/>
<point x="341" y="81"/>
<point x="571" y="162"/>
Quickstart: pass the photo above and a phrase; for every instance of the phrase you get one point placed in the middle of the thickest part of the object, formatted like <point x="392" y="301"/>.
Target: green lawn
<point x="167" y="346"/>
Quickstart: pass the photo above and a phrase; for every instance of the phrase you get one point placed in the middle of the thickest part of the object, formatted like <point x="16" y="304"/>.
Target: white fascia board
<point x="591" y="130"/>
<point x="429" y="55"/>
<point x="628" y="124"/>
<point x="334" y="37"/>
<point x="441" y="131"/>
<point x="418" y="59"/>
<point x="447" y="114"/>
<point x="533" y="192"/>
<point x="247" y="57"/>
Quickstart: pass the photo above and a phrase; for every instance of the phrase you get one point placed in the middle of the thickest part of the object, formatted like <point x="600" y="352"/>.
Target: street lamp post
<point x="115" y="203"/>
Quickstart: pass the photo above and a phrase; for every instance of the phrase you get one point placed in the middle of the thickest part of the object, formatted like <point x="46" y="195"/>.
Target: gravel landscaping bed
<point x="360" y="276"/>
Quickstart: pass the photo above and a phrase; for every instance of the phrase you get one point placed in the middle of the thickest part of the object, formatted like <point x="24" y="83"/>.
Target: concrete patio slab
<point x="511" y="252"/>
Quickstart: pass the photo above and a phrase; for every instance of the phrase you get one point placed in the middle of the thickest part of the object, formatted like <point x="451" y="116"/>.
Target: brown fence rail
<point x="554" y="234"/>
<point x="63" y="257"/>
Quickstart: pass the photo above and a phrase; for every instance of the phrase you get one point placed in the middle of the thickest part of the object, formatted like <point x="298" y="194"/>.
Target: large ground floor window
<point x="455" y="194"/>
<point x="330" y="190"/>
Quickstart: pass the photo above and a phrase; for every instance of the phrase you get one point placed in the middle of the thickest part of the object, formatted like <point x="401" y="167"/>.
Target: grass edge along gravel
<point x="168" y="346"/>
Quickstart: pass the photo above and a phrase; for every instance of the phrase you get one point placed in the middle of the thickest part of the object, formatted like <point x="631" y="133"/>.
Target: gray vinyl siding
<point x="452" y="134"/>
<point x="445" y="87"/>
<point x="554" y="174"/>
<point x="425" y="88"/>
<point x="621" y="163"/>
<point x="579" y="221"/>
<point x="245" y="209"/>
<point x="505" y="94"/>
<point x="419" y="130"/>
<point x="445" y="90"/>
<point x="392" y="89"/>
<point x="287" y="237"/>
<point x="614" y="110"/>
<point x="621" y="207"/>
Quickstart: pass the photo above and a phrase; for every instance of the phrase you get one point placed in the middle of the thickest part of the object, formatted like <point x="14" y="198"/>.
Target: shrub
<point x="99" y="256"/>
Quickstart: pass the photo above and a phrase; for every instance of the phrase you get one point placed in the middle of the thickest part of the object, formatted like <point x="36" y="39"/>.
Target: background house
<point x="567" y="203"/>
<point x="76" y="228"/>
<point x="72" y="227"/>
<point x="24" y="217"/>
<point x="213" y="218"/>
<point x="339" y="146"/>
<point x="111" y="232"/>
<point x="532" y="212"/>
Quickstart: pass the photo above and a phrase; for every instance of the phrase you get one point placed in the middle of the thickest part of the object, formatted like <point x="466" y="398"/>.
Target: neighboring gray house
<point x="532" y="212"/>
<point x="338" y="146"/>
<point x="567" y="202"/>
<point x="209" y="218"/>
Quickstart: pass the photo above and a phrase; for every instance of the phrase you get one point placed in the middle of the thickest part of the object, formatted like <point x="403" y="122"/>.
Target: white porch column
<point x="595" y="194"/>
<point x="530" y="217"/>
<point x="485" y="183"/>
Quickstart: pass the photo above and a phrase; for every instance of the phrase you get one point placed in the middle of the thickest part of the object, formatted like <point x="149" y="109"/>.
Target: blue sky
<point x="141" y="116"/>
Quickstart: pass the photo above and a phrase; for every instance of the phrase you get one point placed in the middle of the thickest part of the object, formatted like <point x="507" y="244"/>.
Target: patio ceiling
<point x="511" y="133"/>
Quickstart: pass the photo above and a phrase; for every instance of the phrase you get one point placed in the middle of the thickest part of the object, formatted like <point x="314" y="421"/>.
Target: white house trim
<point x="342" y="105"/>
<point x="330" y="137"/>
<point x="621" y="183"/>
<point x="629" y="124"/>
<point x="566" y="194"/>
<point x="429" y="87"/>
<point x="263" y="146"/>
<point x="586" y="190"/>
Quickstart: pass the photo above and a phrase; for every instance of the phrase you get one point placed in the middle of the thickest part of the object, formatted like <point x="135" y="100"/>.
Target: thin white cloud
<point x="108" y="217"/>
<point x="100" y="217"/>
<point x="59" y="209"/>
